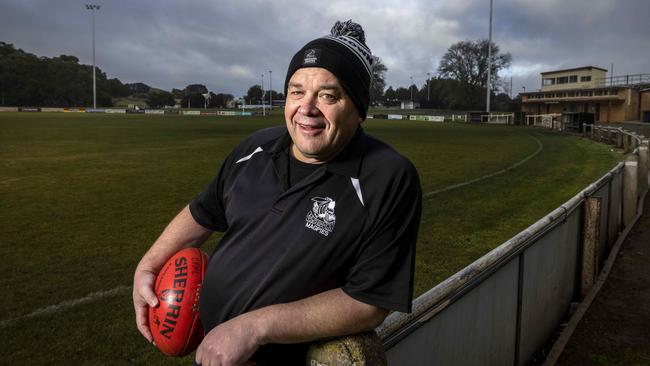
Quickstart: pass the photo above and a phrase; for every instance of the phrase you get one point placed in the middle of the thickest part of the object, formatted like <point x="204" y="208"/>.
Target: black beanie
<point x="343" y="53"/>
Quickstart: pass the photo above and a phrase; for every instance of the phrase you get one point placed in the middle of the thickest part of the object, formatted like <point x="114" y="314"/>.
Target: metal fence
<point x="624" y="80"/>
<point x="506" y="306"/>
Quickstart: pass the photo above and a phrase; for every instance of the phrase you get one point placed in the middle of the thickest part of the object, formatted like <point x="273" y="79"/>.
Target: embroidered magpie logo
<point x="321" y="218"/>
<point x="311" y="56"/>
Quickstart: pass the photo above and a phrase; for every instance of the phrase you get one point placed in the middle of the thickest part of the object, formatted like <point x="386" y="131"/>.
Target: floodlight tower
<point x="263" y="108"/>
<point x="270" y="90"/>
<point x="489" y="63"/>
<point x="92" y="8"/>
<point x="411" y="87"/>
<point x="428" y="78"/>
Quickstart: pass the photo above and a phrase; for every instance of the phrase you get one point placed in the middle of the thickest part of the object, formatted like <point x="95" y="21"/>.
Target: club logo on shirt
<point x="321" y="218"/>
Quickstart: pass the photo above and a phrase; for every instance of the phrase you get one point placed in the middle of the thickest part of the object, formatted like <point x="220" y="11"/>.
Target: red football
<point x="175" y="323"/>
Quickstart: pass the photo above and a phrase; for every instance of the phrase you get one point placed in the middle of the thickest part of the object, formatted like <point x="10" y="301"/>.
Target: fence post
<point x="630" y="185"/>
<point x="619" y="141"/>
<point x="643" y="166"/>
<point x="590" y="245"/>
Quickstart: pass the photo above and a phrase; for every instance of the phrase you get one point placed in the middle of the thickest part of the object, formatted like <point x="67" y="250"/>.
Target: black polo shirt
<point x="352" y="224"/>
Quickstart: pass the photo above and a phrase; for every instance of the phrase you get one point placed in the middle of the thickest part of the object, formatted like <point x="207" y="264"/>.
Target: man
<point x="320" y="221"/>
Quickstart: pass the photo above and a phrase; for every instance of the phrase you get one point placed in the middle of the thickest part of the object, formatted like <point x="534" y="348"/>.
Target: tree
<point x="158" y="99"/>
<point x="139" y="88"/>
<point x="403" y="94"/>
<point x="193" y="100"/>
<point x="378" y="83"/>
<point x="466" y="62"/>
<point x="195" y="89"/>
<point x="117" y="89"/>
<point x="178" y="94"/>
<point x="390" y="97"/>
<point x="220" y="100"/>
<point x="254" y="94"/>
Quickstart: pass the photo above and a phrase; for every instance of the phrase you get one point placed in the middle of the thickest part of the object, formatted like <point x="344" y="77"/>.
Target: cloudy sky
<point x="227" y="45"/>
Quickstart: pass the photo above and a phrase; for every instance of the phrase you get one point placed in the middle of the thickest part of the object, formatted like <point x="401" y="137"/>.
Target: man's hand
<point x="143" y="298"/>
<point x="231" y="343"/>
<point x="331" y="313"/>
<point x="182" y="232"/>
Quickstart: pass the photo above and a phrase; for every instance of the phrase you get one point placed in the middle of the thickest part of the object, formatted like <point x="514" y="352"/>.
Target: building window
<point x="573" y="78"/>
<point x="571" y="94"/>
<point x="563" y="80"/>
<point x="549" y="81"/>
<point x="585" y="79"/>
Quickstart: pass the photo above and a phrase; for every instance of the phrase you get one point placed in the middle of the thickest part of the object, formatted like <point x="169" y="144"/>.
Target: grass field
<point x="83" y="196"/>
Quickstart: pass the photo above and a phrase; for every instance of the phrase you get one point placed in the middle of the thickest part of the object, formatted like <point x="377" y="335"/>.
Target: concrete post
<point x="630" y="186"/>
<point x="363" y="349"/>
<point x="643" y="167"/>
<point x="590" y="245"/>
<point x="619" y="140"/>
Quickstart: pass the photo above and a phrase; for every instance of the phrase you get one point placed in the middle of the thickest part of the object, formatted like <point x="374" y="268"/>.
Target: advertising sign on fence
<point x="94" y="110"/>
<point x="120" y="111"/>
<point x="29" y="109"/>
<point x="191" y="113"/>
<point x="227" y="113"/>
<point x="74" y="110"/>
<point x="395" y="116"/>
<point x="8" y="109"/>
<point x="51" y="109"/>
<point x="154" y="111"/>
<point x="427" y="118"/>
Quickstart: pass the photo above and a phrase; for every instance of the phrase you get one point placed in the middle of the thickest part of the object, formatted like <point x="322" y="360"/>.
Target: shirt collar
<point x="347" y="162"/>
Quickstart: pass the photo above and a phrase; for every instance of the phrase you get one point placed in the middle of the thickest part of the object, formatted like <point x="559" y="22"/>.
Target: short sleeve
<point x="383" y="274"/>
<point x="207" y="207"/>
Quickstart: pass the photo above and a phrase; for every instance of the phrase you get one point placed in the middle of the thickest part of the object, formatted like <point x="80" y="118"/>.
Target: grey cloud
<point x="227" y="45"/>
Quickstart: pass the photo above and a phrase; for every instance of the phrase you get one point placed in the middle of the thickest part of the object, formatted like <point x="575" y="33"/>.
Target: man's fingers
<point x="150" y="298"/>
<point x="142" y="321"/>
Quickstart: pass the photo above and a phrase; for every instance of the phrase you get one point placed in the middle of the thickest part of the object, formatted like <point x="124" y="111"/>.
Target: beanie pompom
<point x="350" y="29"/>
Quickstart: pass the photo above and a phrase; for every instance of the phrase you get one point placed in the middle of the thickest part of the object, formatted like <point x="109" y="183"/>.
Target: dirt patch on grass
<point x="616" y="328"/>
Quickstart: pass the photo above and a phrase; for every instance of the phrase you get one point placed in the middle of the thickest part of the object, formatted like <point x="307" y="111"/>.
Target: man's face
<point x="320" y="116"/>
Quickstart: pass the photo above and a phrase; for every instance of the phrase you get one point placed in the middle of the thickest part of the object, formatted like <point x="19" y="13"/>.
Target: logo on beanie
<point x="311" y="56"/>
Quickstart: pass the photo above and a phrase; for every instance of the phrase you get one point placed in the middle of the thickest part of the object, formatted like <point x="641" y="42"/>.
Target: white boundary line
<point x="101" y="294"/>
<point x="65" y="305"/>
<point x="540" y="147"/>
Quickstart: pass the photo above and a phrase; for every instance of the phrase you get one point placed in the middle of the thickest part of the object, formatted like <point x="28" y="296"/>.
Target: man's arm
<point x="182" y="232"/>
<point x="329" y="314"/>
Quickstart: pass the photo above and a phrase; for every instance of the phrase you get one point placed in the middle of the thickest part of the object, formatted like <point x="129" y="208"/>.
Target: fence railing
<point x="624" y="80"/>
<point x="506" y="306"/>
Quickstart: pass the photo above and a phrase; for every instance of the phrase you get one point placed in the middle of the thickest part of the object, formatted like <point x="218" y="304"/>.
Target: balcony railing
<point x="624" y="80"/>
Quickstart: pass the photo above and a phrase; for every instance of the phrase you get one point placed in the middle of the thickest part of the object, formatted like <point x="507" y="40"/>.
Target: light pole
<point x="92" y="8"/>
<point x="270" y="90"/>
<point x="411" y="87"/>
<point x="263" y="108"/>
<point x="489" y="63"/>
<point x="428" y="78"/>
